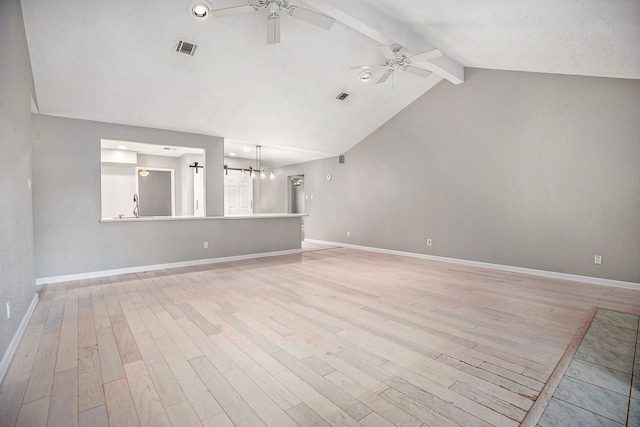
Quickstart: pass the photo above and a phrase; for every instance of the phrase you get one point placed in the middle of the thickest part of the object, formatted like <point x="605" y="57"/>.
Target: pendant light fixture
<point x="256" y="170"/>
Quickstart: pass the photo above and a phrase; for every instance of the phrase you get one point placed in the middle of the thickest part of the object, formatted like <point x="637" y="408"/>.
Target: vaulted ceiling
<point x="115" y="61"/>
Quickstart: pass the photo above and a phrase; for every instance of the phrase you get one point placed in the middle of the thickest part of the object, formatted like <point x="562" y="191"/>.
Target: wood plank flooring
<point x="335" y="337"/>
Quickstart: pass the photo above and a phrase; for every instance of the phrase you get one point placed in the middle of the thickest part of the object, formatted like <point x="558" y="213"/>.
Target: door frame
<point x="173" y="184"/>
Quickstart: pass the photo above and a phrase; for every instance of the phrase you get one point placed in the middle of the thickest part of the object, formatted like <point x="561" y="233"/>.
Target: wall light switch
<point x="206" y="245"/>
<point x="597" y="259"/>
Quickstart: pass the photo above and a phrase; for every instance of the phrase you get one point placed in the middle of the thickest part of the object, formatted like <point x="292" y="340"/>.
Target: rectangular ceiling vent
<point x="342" y="96"/>
<point x="186" y="47"/>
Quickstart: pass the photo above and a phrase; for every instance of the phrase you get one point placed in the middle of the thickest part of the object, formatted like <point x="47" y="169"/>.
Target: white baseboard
<point x="142" y="268"/>
<point x="530" y="271"/>
<point x="13" y="345"/>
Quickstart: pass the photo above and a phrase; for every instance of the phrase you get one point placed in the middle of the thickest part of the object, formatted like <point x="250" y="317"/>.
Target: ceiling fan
<point x="275" y="7"/>
<point x="395" y="60"/>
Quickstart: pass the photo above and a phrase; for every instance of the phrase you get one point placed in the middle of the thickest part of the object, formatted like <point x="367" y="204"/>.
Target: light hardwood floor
<point x="331" y="337"/>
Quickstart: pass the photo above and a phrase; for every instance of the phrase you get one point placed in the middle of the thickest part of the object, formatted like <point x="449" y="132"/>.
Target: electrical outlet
<point x="428" y="242"/>
<point x="8" y="309"/>
<point x="597" y="259"/>
<point x="206" y="245"/>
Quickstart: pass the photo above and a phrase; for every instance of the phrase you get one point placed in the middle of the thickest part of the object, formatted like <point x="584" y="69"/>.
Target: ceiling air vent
<point x="342" y="96"/>
<point x="186" y="47"/>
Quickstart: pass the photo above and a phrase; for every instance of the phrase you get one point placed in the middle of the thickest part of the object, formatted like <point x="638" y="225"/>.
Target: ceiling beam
<point x="365" y="19"/>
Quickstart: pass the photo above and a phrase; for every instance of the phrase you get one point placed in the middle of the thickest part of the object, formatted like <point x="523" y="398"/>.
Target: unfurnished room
<point x="319" y="213"/>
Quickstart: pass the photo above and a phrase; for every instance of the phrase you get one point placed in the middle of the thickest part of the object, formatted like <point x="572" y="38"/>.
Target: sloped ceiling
<point x="114" y="61"/>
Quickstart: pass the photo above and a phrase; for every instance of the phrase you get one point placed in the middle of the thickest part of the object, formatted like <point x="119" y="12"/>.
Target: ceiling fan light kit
<point x="365" y="76"/>
<point x="200" y="9"/>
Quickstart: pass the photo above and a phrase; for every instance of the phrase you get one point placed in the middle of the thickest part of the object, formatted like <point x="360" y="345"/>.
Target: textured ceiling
<point x="114" y="61"/>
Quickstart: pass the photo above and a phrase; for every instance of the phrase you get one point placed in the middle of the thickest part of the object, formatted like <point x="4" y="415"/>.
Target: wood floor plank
<point x="318" y="403"/>
<point x="41" y="378"/>
<point x="127" y="346"/>
<point x="67" y="357"/>
<point x="208" y="348"/>
<point x="182" y="414"/>
<point x="165" y="382"/>
<point x="63" y="407"/>
<point x="266" y="408"/>
<point x="233" y="404"/>
<point x="336" y="363"/>
<point x="94" y="417"/>
<point x="86" y="322"/>
<point x="257" y="372"/>
<point x="145" y="397"/>
<point x="99" y="307"/>
<point x="136" y="325"/>
<point x="375" y="420"/>
<point x="182" y="340"/>
<point x="198" y="319"/>
<point x="372" y="400"/>
<point x="90" y="389"/>
<point x="220" y="420"/>
<point x="121" y="410"/>
<point x="110" y="362"/>
<point x="343" y="400"/>
<point x="11" y="397"/>
<point x="196" y="392"/>
<point x="306" y="416"/>
<point x="33" y="413"/>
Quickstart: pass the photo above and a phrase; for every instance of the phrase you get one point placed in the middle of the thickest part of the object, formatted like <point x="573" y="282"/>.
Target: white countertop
<point x="201" y="218"/>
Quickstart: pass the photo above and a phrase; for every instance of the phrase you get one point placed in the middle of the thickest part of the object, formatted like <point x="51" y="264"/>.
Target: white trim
<point x="142" y="268"/>
<point x="530" y="271"/>
<point x="13" y="345"/>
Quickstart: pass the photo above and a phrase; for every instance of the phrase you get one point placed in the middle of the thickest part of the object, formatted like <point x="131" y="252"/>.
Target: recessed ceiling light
<point x="246" y="149"/>
<point x="199" y="9"/>
<point x="365" y="76"/>
<point x="122" y="147"/>
<point x="232" y="154"/>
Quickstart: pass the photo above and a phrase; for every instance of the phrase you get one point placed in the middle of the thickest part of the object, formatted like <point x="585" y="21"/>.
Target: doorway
<point x="155" y="192"/>
<point x="238" y="193"/>
<point x="296" y="196"/>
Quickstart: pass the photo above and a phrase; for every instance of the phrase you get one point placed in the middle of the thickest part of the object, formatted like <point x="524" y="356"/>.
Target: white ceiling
<point x="113" y="61"/>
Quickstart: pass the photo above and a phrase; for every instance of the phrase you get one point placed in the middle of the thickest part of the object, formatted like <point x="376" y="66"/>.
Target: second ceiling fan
<point x="396" y="60"/>
<point x="274" y="8"/>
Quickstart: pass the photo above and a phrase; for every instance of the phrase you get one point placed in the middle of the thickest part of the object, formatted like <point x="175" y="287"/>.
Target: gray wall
<point x="17" y="278"/>
<point x="530" y="170"/>
<point x="66" y="162"/>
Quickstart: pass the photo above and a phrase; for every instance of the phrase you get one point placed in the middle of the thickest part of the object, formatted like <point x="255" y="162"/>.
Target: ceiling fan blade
<point x="238" y="6"/>
<point x="385" y="76"/>
<point x="417" y="71"/>
<point x="315" y="18"/>
<point x="425" y="56"/>
<point x="387" y="51"/>
<point x="273" y="29"/>
<point x="365" y="67"/>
